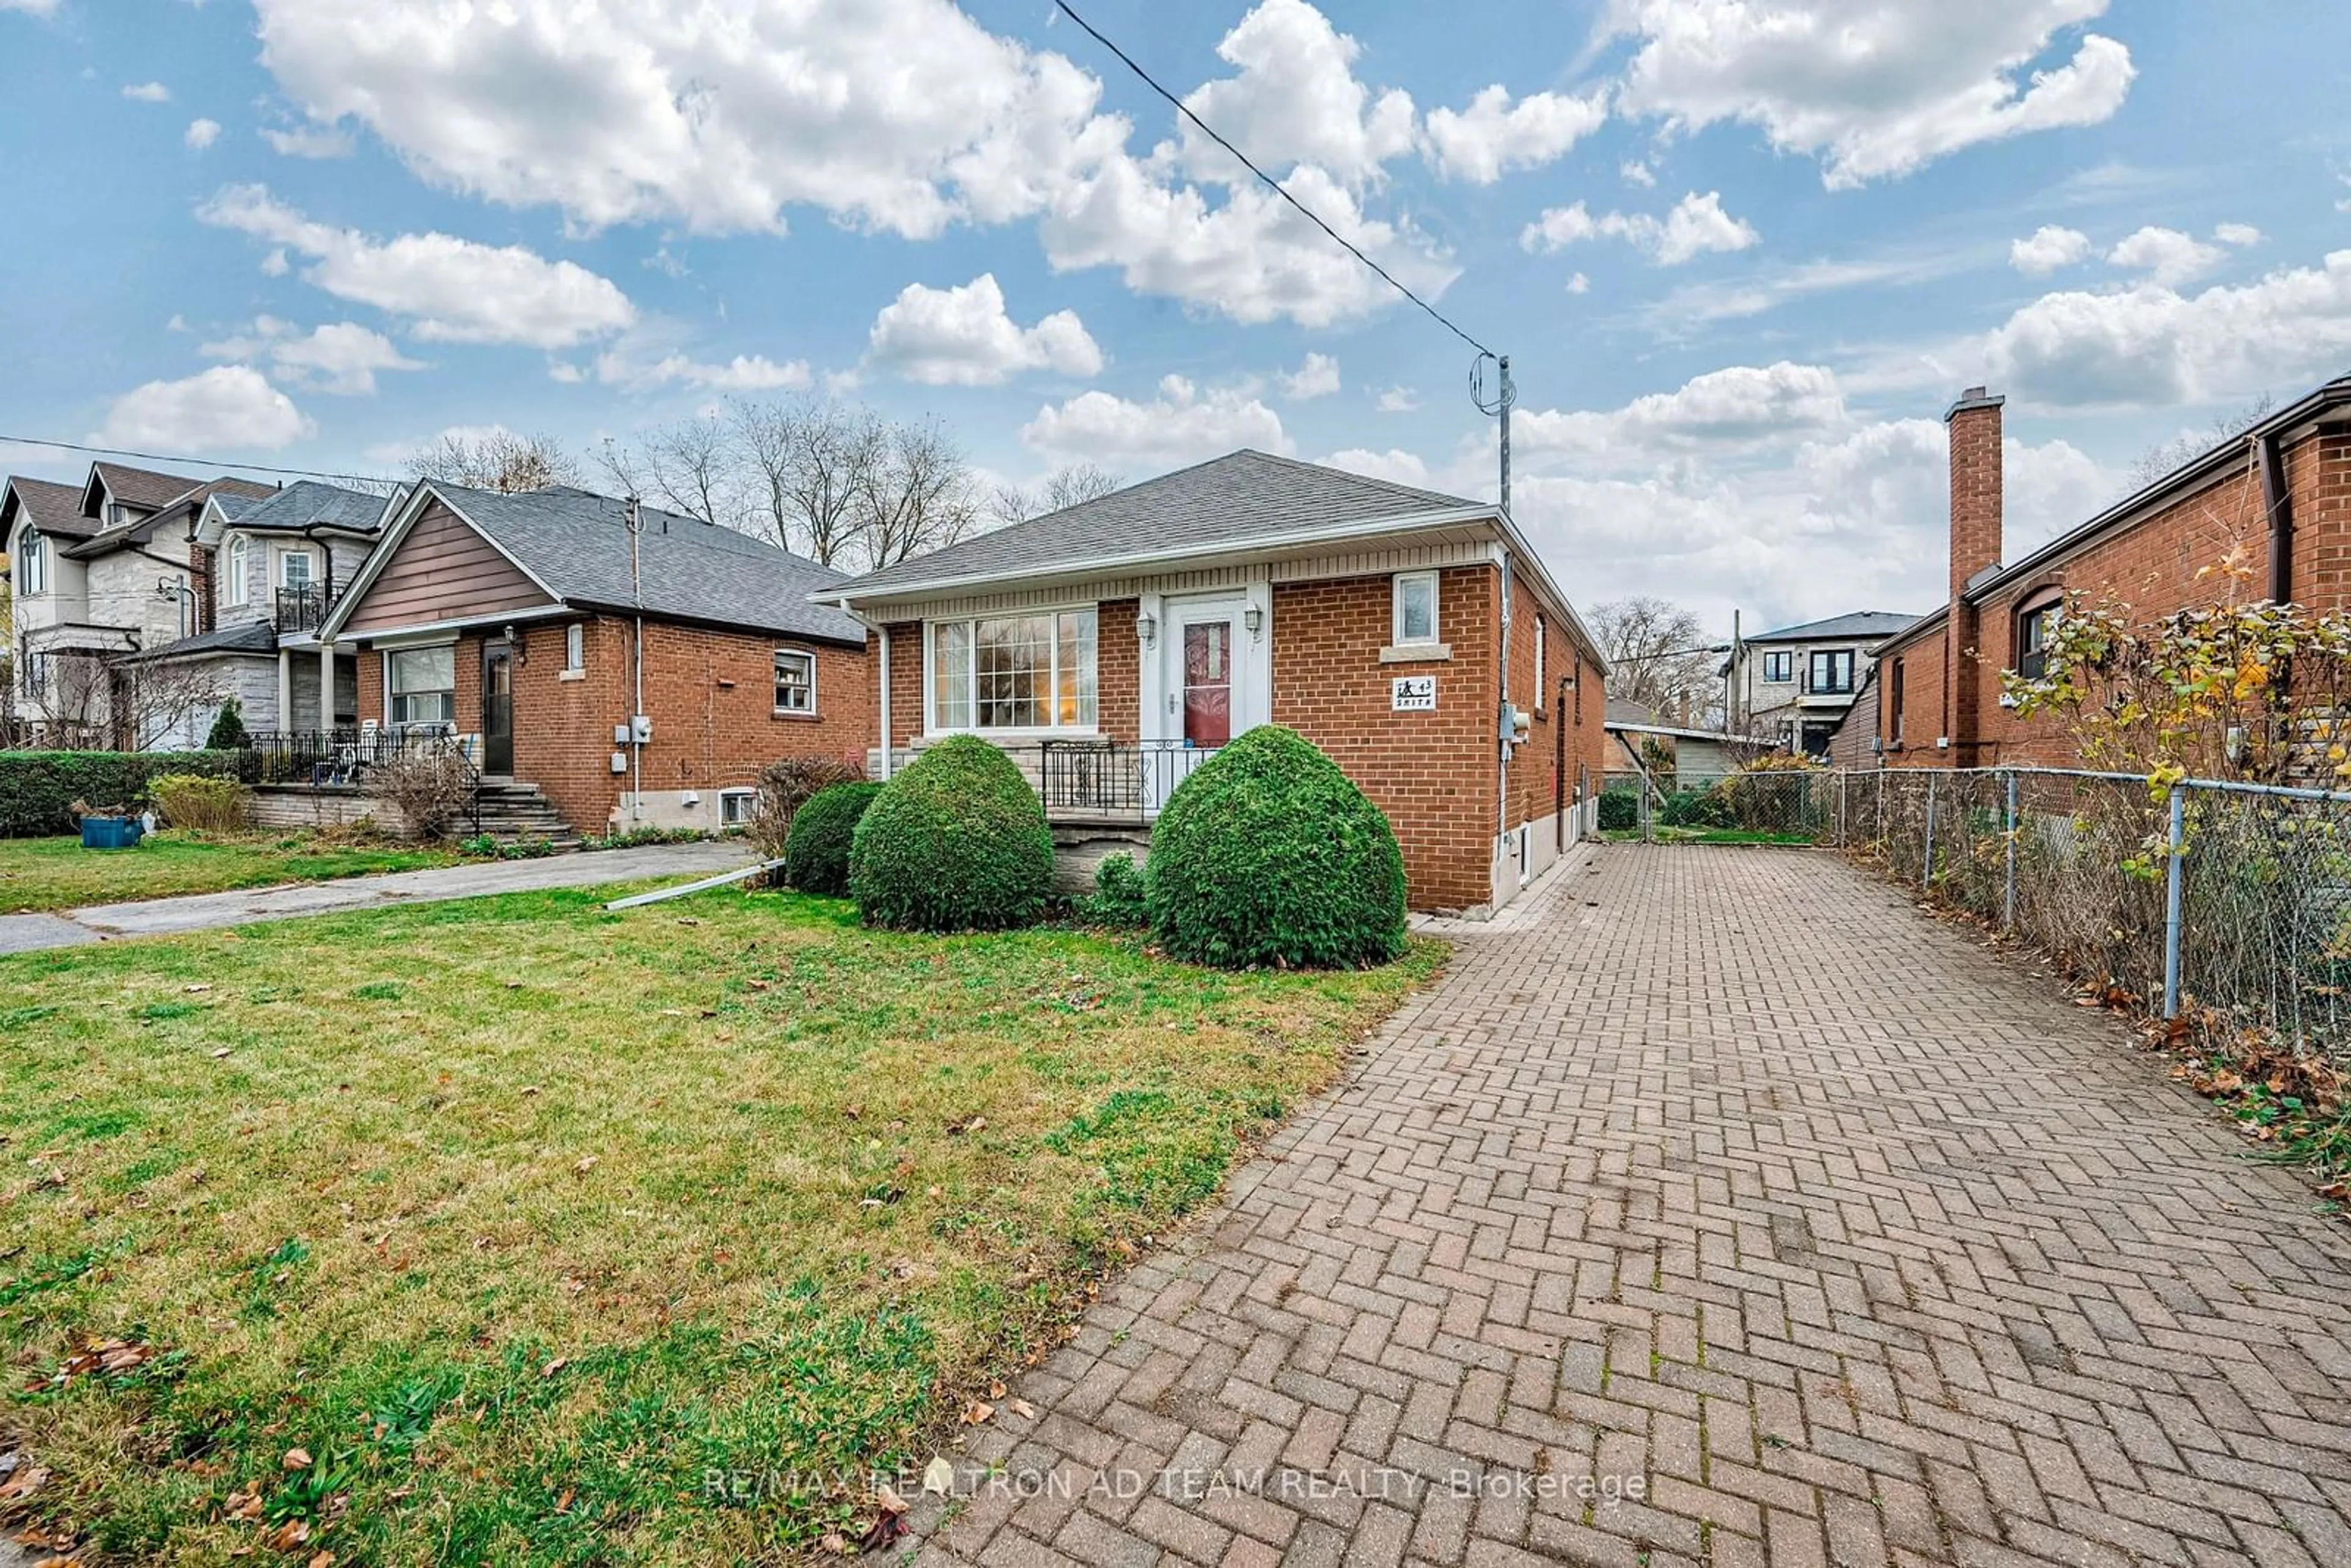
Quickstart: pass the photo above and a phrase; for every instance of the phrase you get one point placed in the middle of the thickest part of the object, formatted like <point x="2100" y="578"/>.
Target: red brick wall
<point x="1432" y="773"/>
<point x="1118" y="670"/>
<point x="1539" y="785"/>
<point x="708" y="734"/>
<point x="905" y="679"/>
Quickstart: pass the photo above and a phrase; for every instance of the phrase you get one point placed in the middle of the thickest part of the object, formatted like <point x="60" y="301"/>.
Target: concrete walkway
<point x="1717" y="1207"/>
<point x="208" y="911"/>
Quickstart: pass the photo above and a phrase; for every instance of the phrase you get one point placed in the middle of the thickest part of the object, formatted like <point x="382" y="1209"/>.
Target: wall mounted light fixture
<point x="1254" y="619"/>
<point x="1146" y="627"/>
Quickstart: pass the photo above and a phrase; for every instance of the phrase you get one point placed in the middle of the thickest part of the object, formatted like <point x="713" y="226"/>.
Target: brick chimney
<point x="1974" y="423"/>
<point x="200" y="581"/>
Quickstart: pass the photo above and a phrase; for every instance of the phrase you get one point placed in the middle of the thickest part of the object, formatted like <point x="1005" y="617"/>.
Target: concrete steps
<point x="518" y="813"/>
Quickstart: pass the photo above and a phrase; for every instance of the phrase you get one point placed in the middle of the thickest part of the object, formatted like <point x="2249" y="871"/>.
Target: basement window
<point x="738" y="807"/>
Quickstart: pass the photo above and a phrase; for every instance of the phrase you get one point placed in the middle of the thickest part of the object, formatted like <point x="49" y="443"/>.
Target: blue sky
<point x="1742" y="255"/>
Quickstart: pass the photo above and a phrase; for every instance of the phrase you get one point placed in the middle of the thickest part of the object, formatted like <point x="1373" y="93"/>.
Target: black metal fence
<point x="1123" y="781"/>
<point x="360" y="759"/>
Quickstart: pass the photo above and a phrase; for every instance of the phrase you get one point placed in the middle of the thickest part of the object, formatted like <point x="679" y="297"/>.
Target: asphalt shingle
<point x="1243" y="498"/>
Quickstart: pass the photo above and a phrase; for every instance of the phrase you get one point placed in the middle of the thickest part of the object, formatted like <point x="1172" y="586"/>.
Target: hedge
<point x="37" y="789"/>
<point x="816" y="856"/>
<point x="958" y="841"/>
<point x="1268" y="854"/>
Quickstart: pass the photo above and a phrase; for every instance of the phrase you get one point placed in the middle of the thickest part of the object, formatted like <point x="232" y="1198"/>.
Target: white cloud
<point x="649" y="357"/>
<point x="2167" y="255"/>
<point x="1395" y="464"/>
<point x="2238" y="235"/>
<point x="1695" y="225"/>
<point x="1252" y="257"/>
<point x="898" y="115"/>
<point x="1735" y="408"/>
<point x="902" y="116"/>
<point x="311" y="140"/>
<point x="964" y="337"/>
<point x="1874" y="87"/>
<point x="400" y="453"/>
<point x="1396" y="400"/>
<point x="1578" y="283"/>
<point x="2153" y="347"/>
<point x="454" y="290"/>
<point x="226" y="408"/>
<point x="1636" y="172"/>
<point x="147" y="92"/>
<point x="1316" y="376"/>
<point x="275" y="264"/>
<point x="341" y="358"/>
<point x="1491" y="136"/>
<point x="2047" y="248"/>
<point x="1180" y="426"/>
<point x="30" y="7"/>
<point x="201" y="133"/>
<point x="1296" y="101"/>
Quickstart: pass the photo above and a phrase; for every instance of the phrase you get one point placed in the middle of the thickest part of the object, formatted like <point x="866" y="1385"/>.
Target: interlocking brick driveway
<point x="1744" y="1181"/>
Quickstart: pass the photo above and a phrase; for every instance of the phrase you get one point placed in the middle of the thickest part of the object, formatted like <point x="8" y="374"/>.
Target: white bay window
<point x="1014" y="672"/>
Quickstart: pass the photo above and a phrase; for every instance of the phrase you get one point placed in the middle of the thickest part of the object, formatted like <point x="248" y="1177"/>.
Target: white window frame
<point x="575" y="648"/>
<point x="808" y="657"/>
<point x="236" y="558"/>
<point x="310" y="560"/>
<point x="1542" y="683"/>
<point x="32" y="570"/>
<point x="743" y="801"/>
<point x="1398" y="585"/>
<point x="931" y="723"/>
<point x="390" y="718"/>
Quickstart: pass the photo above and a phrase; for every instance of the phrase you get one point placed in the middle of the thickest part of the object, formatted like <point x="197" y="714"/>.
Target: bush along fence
<point x="2227" y="901"/>
<point x="38" y="788"/>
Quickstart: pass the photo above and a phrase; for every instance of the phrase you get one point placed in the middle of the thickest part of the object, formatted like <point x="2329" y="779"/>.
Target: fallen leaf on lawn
<point x="759" y="985"/>
<point x="531" y="1088"/>
<point x="244" y="1504"/>
<point x="996" y="1391"/>
<point x="585" y="1165"/>
<point x="888" y="1501"/>
<point x="297" y="1458"/>
<point x="563" y="1503"/>
<point x="835" y="1543"/>
<point x="199" y="986"/>
<point x="24" y="1483"/>
<point x="219" y="1053"/>
<point x="294" y="1533"/>
<point x="938" y="1476"/>
<point x="323" y="1560"/>
<point x="1022" y="1408"/>
<point x="978" y="1411"/>
<point x="553" y="1367"/>
<point x="688" y="920"/>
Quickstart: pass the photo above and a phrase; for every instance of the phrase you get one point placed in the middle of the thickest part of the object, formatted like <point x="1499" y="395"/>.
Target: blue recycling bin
<point x="110" y="832"/>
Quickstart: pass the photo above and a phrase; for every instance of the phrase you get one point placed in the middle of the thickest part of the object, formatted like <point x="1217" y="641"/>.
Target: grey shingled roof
<point x="141" y="486"/>
<point x="1240" y="499"/>
<point x="56" y="509"/>
<point x="577" y="543"/>
<point x="309" y="503"/>
<point x="246" y="637"/>
<point x="1862" y="623"/>
<point x="181" y="507"/>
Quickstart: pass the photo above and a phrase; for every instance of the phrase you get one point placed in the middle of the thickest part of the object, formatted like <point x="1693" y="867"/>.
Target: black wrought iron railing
<point x="304" y="609"/>
<point x="326" y="758"/>
<point x="1114" y="779"/>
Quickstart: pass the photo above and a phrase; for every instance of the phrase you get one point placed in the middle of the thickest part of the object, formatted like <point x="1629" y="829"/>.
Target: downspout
<point x="2277" y="502"/>
<point x="636" y="525"/>
<point x="885" y="633"/>
<point x="1504" y="717"/>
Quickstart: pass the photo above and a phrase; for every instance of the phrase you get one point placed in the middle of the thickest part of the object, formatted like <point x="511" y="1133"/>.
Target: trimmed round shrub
<point x="1268" y="854"/>
<point x="955" y="843"/>
<point x="1120" y="896"/>
<point x="816" y="856"/>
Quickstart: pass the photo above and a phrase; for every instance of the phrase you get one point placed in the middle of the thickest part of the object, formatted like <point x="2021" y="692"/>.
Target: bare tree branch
<point x="1656" y="656"/>
<point x="500" y="461"/>
<point x="914" y="494"/>
<point x="804" y="457"/>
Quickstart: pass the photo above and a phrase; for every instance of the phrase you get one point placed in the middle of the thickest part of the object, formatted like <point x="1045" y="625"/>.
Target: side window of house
<point x="795" y="680"/>
<point x="294" y="568"/>
<point x="738" y="807"/>
<point x="1831" y="670"/>
<point x="2033" y="624"/>
<point x="1779" y="668"/>
<point x="1542" y="680"/>
<point x="575" y="646"/>
<point x="1894" y="690"/>
<point x="232" y="584"/>
<point x="422" y="685"/>
<point x="1414" y="608"/>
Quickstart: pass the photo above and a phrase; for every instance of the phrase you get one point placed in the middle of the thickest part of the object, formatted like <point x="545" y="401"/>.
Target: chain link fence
<point x="2230" y="901"/>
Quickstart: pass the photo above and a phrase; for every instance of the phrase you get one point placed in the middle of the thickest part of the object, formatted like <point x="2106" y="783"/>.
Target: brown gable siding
<point x="443" y="570"/>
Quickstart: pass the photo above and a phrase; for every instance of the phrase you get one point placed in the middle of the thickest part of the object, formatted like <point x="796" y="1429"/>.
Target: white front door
<point x="1216" y="681"/>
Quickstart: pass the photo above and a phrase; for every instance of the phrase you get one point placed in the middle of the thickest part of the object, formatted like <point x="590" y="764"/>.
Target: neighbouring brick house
<point x="1111" y="646"/>
<point x="2277" y="496"/>
<point x="635" y="674"/>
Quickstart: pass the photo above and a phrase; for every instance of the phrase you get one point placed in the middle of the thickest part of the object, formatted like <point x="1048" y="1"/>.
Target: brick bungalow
<point x="2278" y="497"/>
<point x="1112" y="645"/>
<point x="636" y="675"/>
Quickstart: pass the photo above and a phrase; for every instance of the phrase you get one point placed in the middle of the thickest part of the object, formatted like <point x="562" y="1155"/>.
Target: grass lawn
<point x="518" y="1218"/>
<point x="59" y="874"/>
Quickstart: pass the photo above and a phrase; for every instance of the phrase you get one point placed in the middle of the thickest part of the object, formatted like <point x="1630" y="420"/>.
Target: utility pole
<point x="1509" y="395"/>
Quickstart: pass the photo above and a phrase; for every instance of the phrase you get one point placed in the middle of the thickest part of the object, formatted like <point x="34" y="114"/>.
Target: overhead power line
<point x="194" y="462"/>
<point x="1272" y="183"/>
